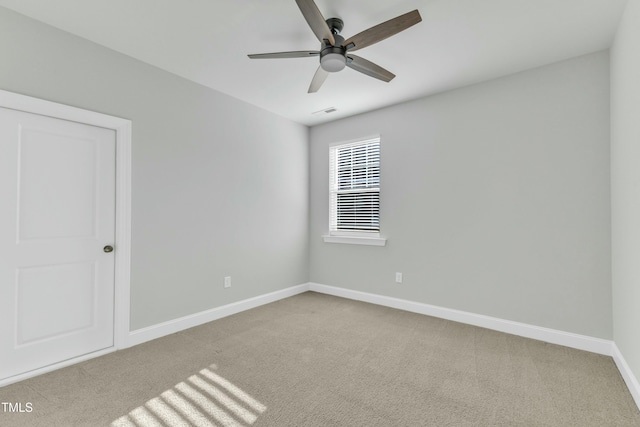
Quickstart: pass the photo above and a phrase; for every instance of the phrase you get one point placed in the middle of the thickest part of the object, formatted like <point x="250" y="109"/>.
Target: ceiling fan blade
<point x="319" y="77"/>
<point x="316" y="21"/>
<point x="383" y="31"/>
<point x="292" y="54"/>
<point x="369" y="68"/>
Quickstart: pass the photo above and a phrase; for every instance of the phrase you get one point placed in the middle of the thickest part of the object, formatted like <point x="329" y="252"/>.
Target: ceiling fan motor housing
<point x="333" y="58"/>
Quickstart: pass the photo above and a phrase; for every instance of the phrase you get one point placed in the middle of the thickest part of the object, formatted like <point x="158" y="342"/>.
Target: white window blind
<point x="354" y="187"/>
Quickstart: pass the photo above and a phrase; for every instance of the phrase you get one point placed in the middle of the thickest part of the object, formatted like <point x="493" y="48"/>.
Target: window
<point x="354" y="193"/>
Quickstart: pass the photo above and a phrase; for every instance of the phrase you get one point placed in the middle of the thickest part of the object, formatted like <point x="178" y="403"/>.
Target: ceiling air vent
<point x="326" y="111"/>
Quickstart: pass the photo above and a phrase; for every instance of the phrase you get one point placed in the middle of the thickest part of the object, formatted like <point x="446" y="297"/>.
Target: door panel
<point x="61" y="167"/>
<point x="57" y="180"/>
<point x="42" y="295"/>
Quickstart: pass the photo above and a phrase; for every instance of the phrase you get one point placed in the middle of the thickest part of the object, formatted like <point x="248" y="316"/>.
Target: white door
<point x="57" y="214"/>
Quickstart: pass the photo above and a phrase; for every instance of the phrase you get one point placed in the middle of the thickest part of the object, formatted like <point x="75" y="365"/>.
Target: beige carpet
<point x="317" y="360"/>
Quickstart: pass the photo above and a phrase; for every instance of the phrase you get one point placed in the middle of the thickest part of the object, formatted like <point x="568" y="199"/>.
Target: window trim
<point x="356" y="240"/>
<point x="371" y="238"/>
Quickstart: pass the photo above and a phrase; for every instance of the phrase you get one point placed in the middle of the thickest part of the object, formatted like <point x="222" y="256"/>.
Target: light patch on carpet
<point x="233" y="389"/>
<point x="142" y="416"/>
<point x="199" y="402"/>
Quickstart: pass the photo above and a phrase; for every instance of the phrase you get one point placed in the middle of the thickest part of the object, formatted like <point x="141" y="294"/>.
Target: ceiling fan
<point x="335" y="51"/>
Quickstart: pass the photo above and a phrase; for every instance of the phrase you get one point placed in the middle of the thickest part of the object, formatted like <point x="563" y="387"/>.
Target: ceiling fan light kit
<point x="334" y="51"/>
<point x="332" y="61"/>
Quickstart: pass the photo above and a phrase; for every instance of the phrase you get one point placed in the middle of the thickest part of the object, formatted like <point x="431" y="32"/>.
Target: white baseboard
<point x="149" y="333"/>
<point x="567" y="339"/>
<point x="627" y="374"/>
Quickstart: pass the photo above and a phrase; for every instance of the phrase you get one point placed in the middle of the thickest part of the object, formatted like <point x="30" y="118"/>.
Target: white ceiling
<point x="459" y="42"/>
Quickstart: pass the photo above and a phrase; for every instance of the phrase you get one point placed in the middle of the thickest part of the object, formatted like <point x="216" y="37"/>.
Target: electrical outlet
<point x="227" y="282"/>
<point x="398" y="277"/>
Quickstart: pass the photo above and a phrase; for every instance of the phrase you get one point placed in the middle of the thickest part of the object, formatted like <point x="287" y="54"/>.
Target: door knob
<point x="108" y="249"/>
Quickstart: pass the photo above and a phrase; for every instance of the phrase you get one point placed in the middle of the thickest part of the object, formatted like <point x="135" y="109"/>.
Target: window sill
<point x="353" y="240"/>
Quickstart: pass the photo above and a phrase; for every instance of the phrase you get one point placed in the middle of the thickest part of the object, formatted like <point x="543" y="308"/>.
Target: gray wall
<point x="495" y="196"/>
<point x="625" y="176"/>
<point x="219" y="187"/>
<point x="495" y="199"/>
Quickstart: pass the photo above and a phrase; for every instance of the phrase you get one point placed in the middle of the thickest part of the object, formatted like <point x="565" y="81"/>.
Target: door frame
<point x="122" y="128"/>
